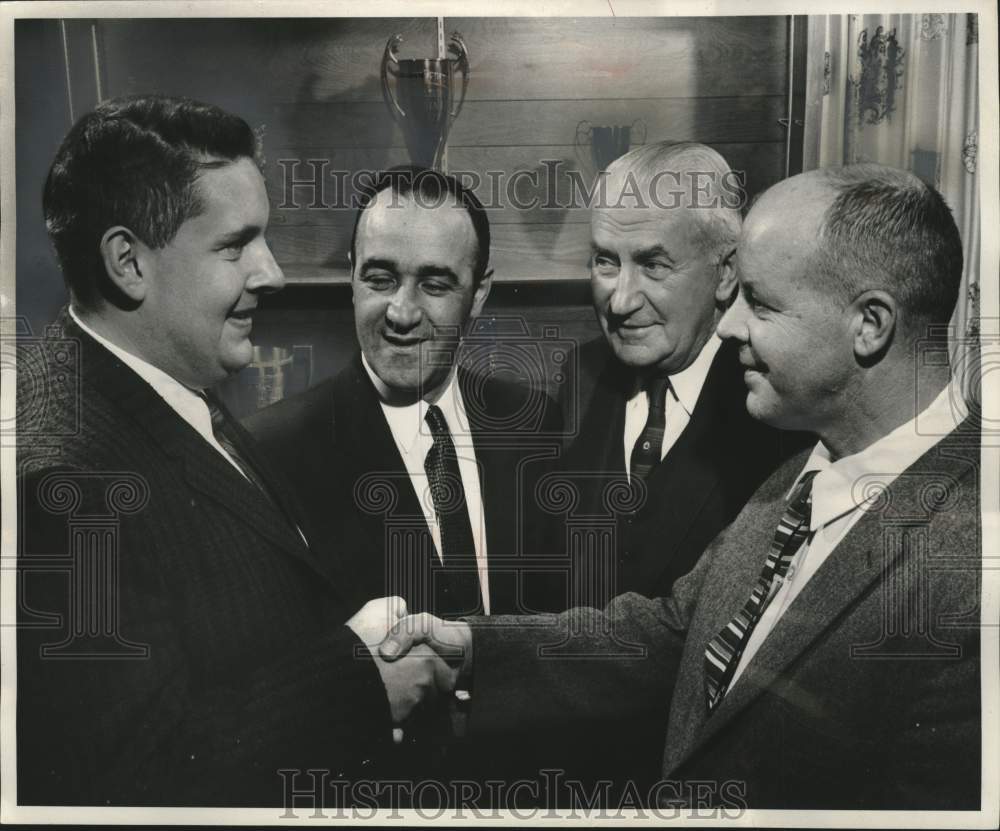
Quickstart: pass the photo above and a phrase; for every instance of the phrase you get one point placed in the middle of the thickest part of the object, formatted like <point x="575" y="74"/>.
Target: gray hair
<point x="703" y="179"/>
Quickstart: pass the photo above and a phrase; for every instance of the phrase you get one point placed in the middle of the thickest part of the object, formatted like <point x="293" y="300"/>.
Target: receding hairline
<point x="450" y="201"/>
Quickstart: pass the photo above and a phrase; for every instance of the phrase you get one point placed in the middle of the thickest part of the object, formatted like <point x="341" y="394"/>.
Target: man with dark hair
<point x="429" y="462"/>
<point x="825" y="650"/>
<point x="179" y="643"/>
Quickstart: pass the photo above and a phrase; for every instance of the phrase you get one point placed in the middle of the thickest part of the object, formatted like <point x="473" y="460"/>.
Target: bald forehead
<point x="389" y="207"/>
<point x="792" y="209"/>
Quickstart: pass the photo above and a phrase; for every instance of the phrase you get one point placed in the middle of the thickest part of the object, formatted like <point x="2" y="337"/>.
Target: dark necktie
<point x="458" y="583"/>
<point x="724" y="651"/>
<point x="220" y="430"/>
<point x="646" y="452"/>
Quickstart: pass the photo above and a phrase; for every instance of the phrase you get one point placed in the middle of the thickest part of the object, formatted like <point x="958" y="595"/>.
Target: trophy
<point x="274" y="373"/>
<point x="608" y="143"/>
<point x="424" y="104"/>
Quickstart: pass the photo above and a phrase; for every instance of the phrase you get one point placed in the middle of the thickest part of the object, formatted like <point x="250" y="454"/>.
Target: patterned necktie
<point x="459" y="582"/>
<point x="220" y="431"/>
<point x="647" y="450"/>
<point x="724" y="651"/>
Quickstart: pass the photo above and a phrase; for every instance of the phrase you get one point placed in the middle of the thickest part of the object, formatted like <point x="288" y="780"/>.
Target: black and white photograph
<point x="441" y="413"/>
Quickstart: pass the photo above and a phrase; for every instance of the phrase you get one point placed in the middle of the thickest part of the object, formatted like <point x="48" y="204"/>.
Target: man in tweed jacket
<point x="178" y="641"/>
<point x="857" y="684"/>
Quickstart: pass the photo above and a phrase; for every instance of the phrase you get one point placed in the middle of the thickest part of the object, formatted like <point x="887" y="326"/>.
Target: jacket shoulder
<point x="510" y="405"/>
<point x="291" y="418"/>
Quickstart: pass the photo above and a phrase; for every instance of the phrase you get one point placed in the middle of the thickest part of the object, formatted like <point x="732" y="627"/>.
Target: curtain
<point x="903" y="90"/>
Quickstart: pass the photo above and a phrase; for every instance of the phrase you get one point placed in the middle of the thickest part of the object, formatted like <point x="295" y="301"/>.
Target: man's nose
<point x="626" y="298"/>
<point x="266" y="275"/>
<point x="403" y="312"/>
<point x="734" y="321"/>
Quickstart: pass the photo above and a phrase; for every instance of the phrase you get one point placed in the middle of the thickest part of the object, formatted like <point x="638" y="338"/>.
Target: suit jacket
<point x="334" y="445"/>
<point x="178" y="643"/>
<point x="699" y="487"/>
<point x="866" y="694"/>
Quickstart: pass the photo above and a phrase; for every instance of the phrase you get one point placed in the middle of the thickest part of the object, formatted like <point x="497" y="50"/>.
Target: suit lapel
<point x="688" y="476"/>
<point x="373" y="457"/>
<point x="200" y="466"/>
<point x="846" y="576"/>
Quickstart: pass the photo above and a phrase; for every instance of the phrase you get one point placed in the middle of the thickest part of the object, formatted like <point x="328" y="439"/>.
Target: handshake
<point x="421" y="658"/>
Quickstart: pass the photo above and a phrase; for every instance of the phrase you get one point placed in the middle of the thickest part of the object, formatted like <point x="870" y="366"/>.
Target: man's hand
<point x="415" y="678"/>
<point x="452" y="640"/>
<point x="377" y="617"/>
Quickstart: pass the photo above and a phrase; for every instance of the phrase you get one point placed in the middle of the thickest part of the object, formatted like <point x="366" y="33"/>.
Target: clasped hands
<point x="421" y="658"/>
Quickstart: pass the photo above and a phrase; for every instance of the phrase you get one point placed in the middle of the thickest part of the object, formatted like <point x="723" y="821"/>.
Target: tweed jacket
<point x="178" y="642"/>
<point x="866" y="694"/>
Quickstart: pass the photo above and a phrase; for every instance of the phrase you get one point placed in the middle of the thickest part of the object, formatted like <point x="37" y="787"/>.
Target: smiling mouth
<point x="632" y="330"/>
<point x="403" y="343"/>
<point x="242" y="318"/>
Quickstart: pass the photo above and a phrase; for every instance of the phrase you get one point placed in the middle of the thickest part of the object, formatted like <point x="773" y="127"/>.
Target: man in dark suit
<point x="429" y="463"/>
<point x="666" y="454"/>
<point x="178" y="641"/>
<point x="825" y="651"/>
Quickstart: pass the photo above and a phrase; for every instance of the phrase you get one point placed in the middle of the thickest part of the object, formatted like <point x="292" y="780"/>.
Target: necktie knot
<point x="800" y="502"/>
<point x="215" y="413"/>
<point x="656" y="391"/>
<point x="436" y="421"/>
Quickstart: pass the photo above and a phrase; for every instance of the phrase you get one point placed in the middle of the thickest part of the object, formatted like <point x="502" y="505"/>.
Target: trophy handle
<point x="457" y="45"/>
<point x="389" y="56"/>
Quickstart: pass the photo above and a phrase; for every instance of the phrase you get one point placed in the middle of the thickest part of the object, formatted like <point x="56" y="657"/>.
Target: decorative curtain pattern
<point x="903" y="90"/>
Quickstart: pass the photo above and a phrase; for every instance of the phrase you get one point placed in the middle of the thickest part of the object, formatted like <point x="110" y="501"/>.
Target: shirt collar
<point x="168" y="388"/>
<point x="407" y="421"/>
<point x="854" y="481"/>
<point x="688" y="383"/>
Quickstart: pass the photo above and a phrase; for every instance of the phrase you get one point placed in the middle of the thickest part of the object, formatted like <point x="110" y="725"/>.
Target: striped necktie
<point x="220" y="429"/>
<point x="724" y="651"/>
<point x="648" y="447"/>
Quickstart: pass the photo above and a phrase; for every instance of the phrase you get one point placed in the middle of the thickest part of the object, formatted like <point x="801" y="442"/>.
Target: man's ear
<point x="482" y="292"/>
<point x="726" y="290"/>
<point x="875" y="317"/>
<point x="120" y="250"/>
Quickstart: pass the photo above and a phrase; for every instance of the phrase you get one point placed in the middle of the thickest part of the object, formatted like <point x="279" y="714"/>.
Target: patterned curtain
<point x="903" y="90"/>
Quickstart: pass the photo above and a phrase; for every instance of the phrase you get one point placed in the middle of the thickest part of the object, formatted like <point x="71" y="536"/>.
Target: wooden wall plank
<point x="624" y="57"/>
<point x="323" y="126"/>
<point x="303" y="60"/>
<point x="338" y="59"/>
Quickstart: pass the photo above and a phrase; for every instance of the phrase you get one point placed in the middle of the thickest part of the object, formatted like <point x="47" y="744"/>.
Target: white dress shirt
<point x="682" y="395"/>
<point x="187" y="403"/>
<point x="414" y="440"/>
<point x="837" y="502"/>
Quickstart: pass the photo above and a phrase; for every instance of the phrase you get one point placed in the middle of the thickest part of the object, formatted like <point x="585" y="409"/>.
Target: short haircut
<point x="134" y="162"/>
<point x="431" y="189"/>
<point x="886" y="229"/>
<point x="697" y="165"/>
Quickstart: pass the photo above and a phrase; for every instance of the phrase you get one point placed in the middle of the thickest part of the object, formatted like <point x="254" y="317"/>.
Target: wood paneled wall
<point x="311" y="88"/>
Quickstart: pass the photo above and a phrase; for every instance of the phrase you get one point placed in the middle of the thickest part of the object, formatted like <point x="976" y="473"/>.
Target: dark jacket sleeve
<point x="584" y="664"/>
<point x="136" y="718"/>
